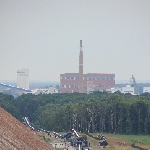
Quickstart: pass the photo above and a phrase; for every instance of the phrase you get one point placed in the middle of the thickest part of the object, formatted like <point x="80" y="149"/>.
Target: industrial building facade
<point x="69" y="82"/>
<point x="85" y="83"/>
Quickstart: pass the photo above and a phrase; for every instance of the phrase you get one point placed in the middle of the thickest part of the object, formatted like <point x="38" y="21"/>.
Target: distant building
<point x="52" y="90"/>
<point x="49" y="90"/>
<point x="146" y="89"/>
<point x="128" y="89"/>
<point x="113" y="90"/>
<point x="85" y="83"/>
<point x="69" y="82"/>
<point x="58" y="145"/>
<point x="23" y="78"/>
<point x="90" y="87"/>
<point x="36" y="91"/>
<point x="57" y="87"/>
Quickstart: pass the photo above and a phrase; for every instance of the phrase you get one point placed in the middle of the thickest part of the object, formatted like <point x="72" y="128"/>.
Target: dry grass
<point x="112" y="143"/>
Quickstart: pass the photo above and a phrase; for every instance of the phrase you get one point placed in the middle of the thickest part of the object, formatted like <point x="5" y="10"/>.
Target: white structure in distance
<point x="23" y="78"/>
<point x="146" y="89"/>
<point x="49" y="90"/>
<point x="128" y="89"/>
<point x="113" y="90"/>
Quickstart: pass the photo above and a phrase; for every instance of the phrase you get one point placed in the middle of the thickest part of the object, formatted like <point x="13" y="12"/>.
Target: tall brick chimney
<point x="81" y="86"/>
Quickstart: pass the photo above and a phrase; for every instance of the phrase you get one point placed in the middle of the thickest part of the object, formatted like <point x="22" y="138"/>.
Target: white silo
<point x="23" y="78"/>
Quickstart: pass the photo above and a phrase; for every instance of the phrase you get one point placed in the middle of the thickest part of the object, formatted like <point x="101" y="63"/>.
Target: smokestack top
<point x="80" y="43"/>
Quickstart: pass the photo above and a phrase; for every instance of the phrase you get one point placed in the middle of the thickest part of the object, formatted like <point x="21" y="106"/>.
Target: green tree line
<point x="96" y="112"/>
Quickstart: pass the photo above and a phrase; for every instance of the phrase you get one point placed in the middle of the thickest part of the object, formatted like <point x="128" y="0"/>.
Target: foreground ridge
<point x="15" y="135"/>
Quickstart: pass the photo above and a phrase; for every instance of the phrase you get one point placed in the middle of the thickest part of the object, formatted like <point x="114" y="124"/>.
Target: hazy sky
<point x="43" y="36"/>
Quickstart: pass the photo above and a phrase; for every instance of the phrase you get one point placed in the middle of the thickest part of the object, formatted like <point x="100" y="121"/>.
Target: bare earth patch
<point x="16" y="136"/>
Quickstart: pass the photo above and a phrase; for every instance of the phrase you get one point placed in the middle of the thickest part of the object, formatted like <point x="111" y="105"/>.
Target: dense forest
<point x="96" y="112"/>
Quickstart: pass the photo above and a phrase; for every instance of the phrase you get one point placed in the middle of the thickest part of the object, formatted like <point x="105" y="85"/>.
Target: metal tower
<point x="133" y="83"/>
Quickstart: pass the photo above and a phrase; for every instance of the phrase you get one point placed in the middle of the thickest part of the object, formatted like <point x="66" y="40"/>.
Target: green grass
<point x="133" y="139"/>
<point x="45" y="139"/>
<point x="141" y="139"/>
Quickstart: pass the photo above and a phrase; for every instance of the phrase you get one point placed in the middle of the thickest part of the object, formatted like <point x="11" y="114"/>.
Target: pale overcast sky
<point x="43" y="36"/>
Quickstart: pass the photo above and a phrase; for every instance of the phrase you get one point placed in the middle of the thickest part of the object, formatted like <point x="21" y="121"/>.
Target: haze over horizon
<point x="48" y="82"/>
<point x="43" y="36"/>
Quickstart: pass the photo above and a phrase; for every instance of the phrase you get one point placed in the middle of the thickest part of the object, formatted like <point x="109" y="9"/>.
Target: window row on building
<point x="69" y="86"/>
<point x="88" y="78"/>
<point x="76" y="86"/>
<point x="70" y="78"/>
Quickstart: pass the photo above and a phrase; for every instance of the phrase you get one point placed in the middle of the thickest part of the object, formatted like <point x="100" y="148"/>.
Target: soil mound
<point x="16" y="136"/>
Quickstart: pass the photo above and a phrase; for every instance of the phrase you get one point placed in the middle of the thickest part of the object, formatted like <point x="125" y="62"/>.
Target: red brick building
<point x="69" y="82"/>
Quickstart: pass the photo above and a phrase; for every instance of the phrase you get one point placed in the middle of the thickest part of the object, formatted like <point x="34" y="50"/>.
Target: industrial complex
<point x="85" y="83"/>
<point x="69" y="82"/>
<point x="74" y="83"/>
